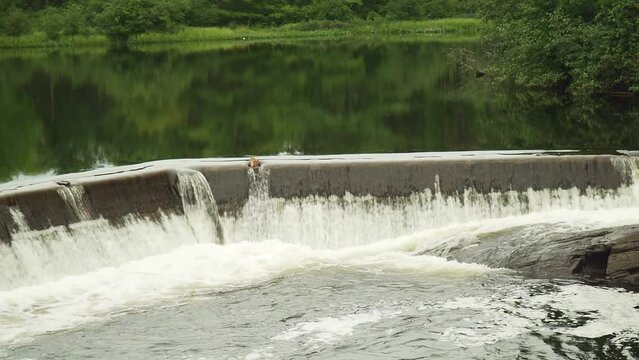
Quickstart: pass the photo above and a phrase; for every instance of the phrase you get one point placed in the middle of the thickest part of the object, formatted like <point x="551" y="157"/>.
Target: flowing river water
<point x="312" y="278"/>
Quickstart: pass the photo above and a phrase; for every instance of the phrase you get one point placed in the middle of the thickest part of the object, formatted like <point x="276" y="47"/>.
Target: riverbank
<point x="457" y="26"/>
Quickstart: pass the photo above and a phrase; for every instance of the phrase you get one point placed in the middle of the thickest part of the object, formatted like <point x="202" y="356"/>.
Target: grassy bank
<point x="292" y="31"/>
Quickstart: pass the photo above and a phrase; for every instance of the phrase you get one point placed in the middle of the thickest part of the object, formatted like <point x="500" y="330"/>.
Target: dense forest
<point x="580" y="47"/>
<point x="120" y="18"/>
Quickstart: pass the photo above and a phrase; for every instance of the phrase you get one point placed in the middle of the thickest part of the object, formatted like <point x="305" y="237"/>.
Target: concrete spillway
<point x="363" y="196"/>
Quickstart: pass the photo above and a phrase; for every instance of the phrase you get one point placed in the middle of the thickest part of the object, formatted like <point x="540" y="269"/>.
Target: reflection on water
<point x="69" y="111"/>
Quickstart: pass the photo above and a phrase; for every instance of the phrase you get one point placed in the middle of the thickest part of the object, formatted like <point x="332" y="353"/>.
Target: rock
<point x="607" y="256"/>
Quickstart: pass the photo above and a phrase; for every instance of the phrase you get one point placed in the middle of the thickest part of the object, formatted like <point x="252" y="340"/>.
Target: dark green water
<point x="68" y="111"/>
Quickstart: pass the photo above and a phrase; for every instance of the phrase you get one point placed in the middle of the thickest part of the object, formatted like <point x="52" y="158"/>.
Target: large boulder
<point x="607" y="256"/>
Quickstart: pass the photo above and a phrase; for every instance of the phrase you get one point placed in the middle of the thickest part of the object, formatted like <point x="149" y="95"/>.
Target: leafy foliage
<point x="15" y="23"/>
<point x="69" y="20"/>
<point x="121" y="19"/>
<point x="52" y="22"/>
<point x="336" y="10"/>
<point x="201" y="13"/>
<point x="585" y="47"/>
<point x="75" y="20"/>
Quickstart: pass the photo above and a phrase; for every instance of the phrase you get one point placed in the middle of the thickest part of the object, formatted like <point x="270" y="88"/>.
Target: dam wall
<point x="402" y="176"/>
<point x="333" y="201"/>
<point x="147" y="190"/>
<point x="62" y="202"/>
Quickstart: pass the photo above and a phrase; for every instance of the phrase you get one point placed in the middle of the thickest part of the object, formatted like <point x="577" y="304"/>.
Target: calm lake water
<point x="73" y="110"/>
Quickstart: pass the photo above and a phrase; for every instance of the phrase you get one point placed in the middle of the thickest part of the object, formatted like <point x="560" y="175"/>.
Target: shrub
<point x="336" y="10"/>
<point x="121" y="19"/>
<point x="52" y="23"/>
<point x="15" y="23"/>
<point x="75" y="20"/>
<point x="202" y="13"/>
<point x="70" y="20"/>
<point x="581" y="46"/>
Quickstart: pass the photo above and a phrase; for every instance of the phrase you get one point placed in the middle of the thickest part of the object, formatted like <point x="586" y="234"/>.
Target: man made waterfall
<point x="74" y="197"/>
<point x="200" y="208"/>
<point x="36" y="256"/>
<point x="289" y="253"/>
<point x="319" y="222"/>
<point x="334" y="221"/>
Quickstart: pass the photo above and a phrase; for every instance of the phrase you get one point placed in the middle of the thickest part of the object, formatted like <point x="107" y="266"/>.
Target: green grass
<point x="312" y="30"/>
<point x="39" y="40"/>
<point x="316" y="31"/>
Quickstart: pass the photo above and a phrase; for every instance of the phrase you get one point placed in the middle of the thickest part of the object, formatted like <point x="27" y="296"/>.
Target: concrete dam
<point x="113" y="215"/>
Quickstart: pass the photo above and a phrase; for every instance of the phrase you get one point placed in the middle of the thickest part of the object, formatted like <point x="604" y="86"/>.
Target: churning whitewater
<point x="66" y="279"/>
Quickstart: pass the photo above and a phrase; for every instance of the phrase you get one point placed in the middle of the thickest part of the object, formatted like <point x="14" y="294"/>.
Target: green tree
<point x="75" y="20"/>
<point x="121" y="19"/>
<point x="338" y="10"/>
<point x="52" y="23"/>
<point x="16" y="22"/>
<point x="582" y="46"/>
<point x="57" y="21"/>
<point x="203" y="13"/>
<point x="405" y="9"/>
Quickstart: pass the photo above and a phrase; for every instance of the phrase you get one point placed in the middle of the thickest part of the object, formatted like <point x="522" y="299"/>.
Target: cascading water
<point x="61" y="278"/>
<point x="200" y="208"/>
<point x="74" y="197"/>
<point x="37" y="256"/>
<point x="334" y="222"/>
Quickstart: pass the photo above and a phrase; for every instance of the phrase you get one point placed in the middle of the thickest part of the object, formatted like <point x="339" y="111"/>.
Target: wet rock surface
<point x="606" y="256"/>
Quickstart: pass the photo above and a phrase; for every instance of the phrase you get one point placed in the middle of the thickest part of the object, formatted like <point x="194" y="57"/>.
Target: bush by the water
<point x="56" y="22"/>
<point x="16" y="22"/>
<point x="121" y="19"/>
<point x="585" y="47"/>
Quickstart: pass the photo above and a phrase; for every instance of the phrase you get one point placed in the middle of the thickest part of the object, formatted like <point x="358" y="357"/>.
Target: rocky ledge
<point x="606" y="256"/>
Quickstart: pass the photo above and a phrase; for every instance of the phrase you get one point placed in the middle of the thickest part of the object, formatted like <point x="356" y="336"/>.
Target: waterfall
<point x="74" y="197"/>
<point x="332" y="222"/>
<point x="200" y="208"/>
<point x="37" y="256"/>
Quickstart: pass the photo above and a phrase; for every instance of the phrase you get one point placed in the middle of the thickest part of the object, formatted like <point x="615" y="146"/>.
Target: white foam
<point x="118" y="282"/>
<point x="330" y="329"/>
<point x="113" y="272"/>
<point x="61" y="277"/>
<point x="66" y="302"/>
<point x="262" y="353"/>
<point x="611" y="311"/>
<point x="506" y="316"/>
<point x="497" y="322"/>
<point x="39" y="256"/>
<point x="334" y="222"/>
